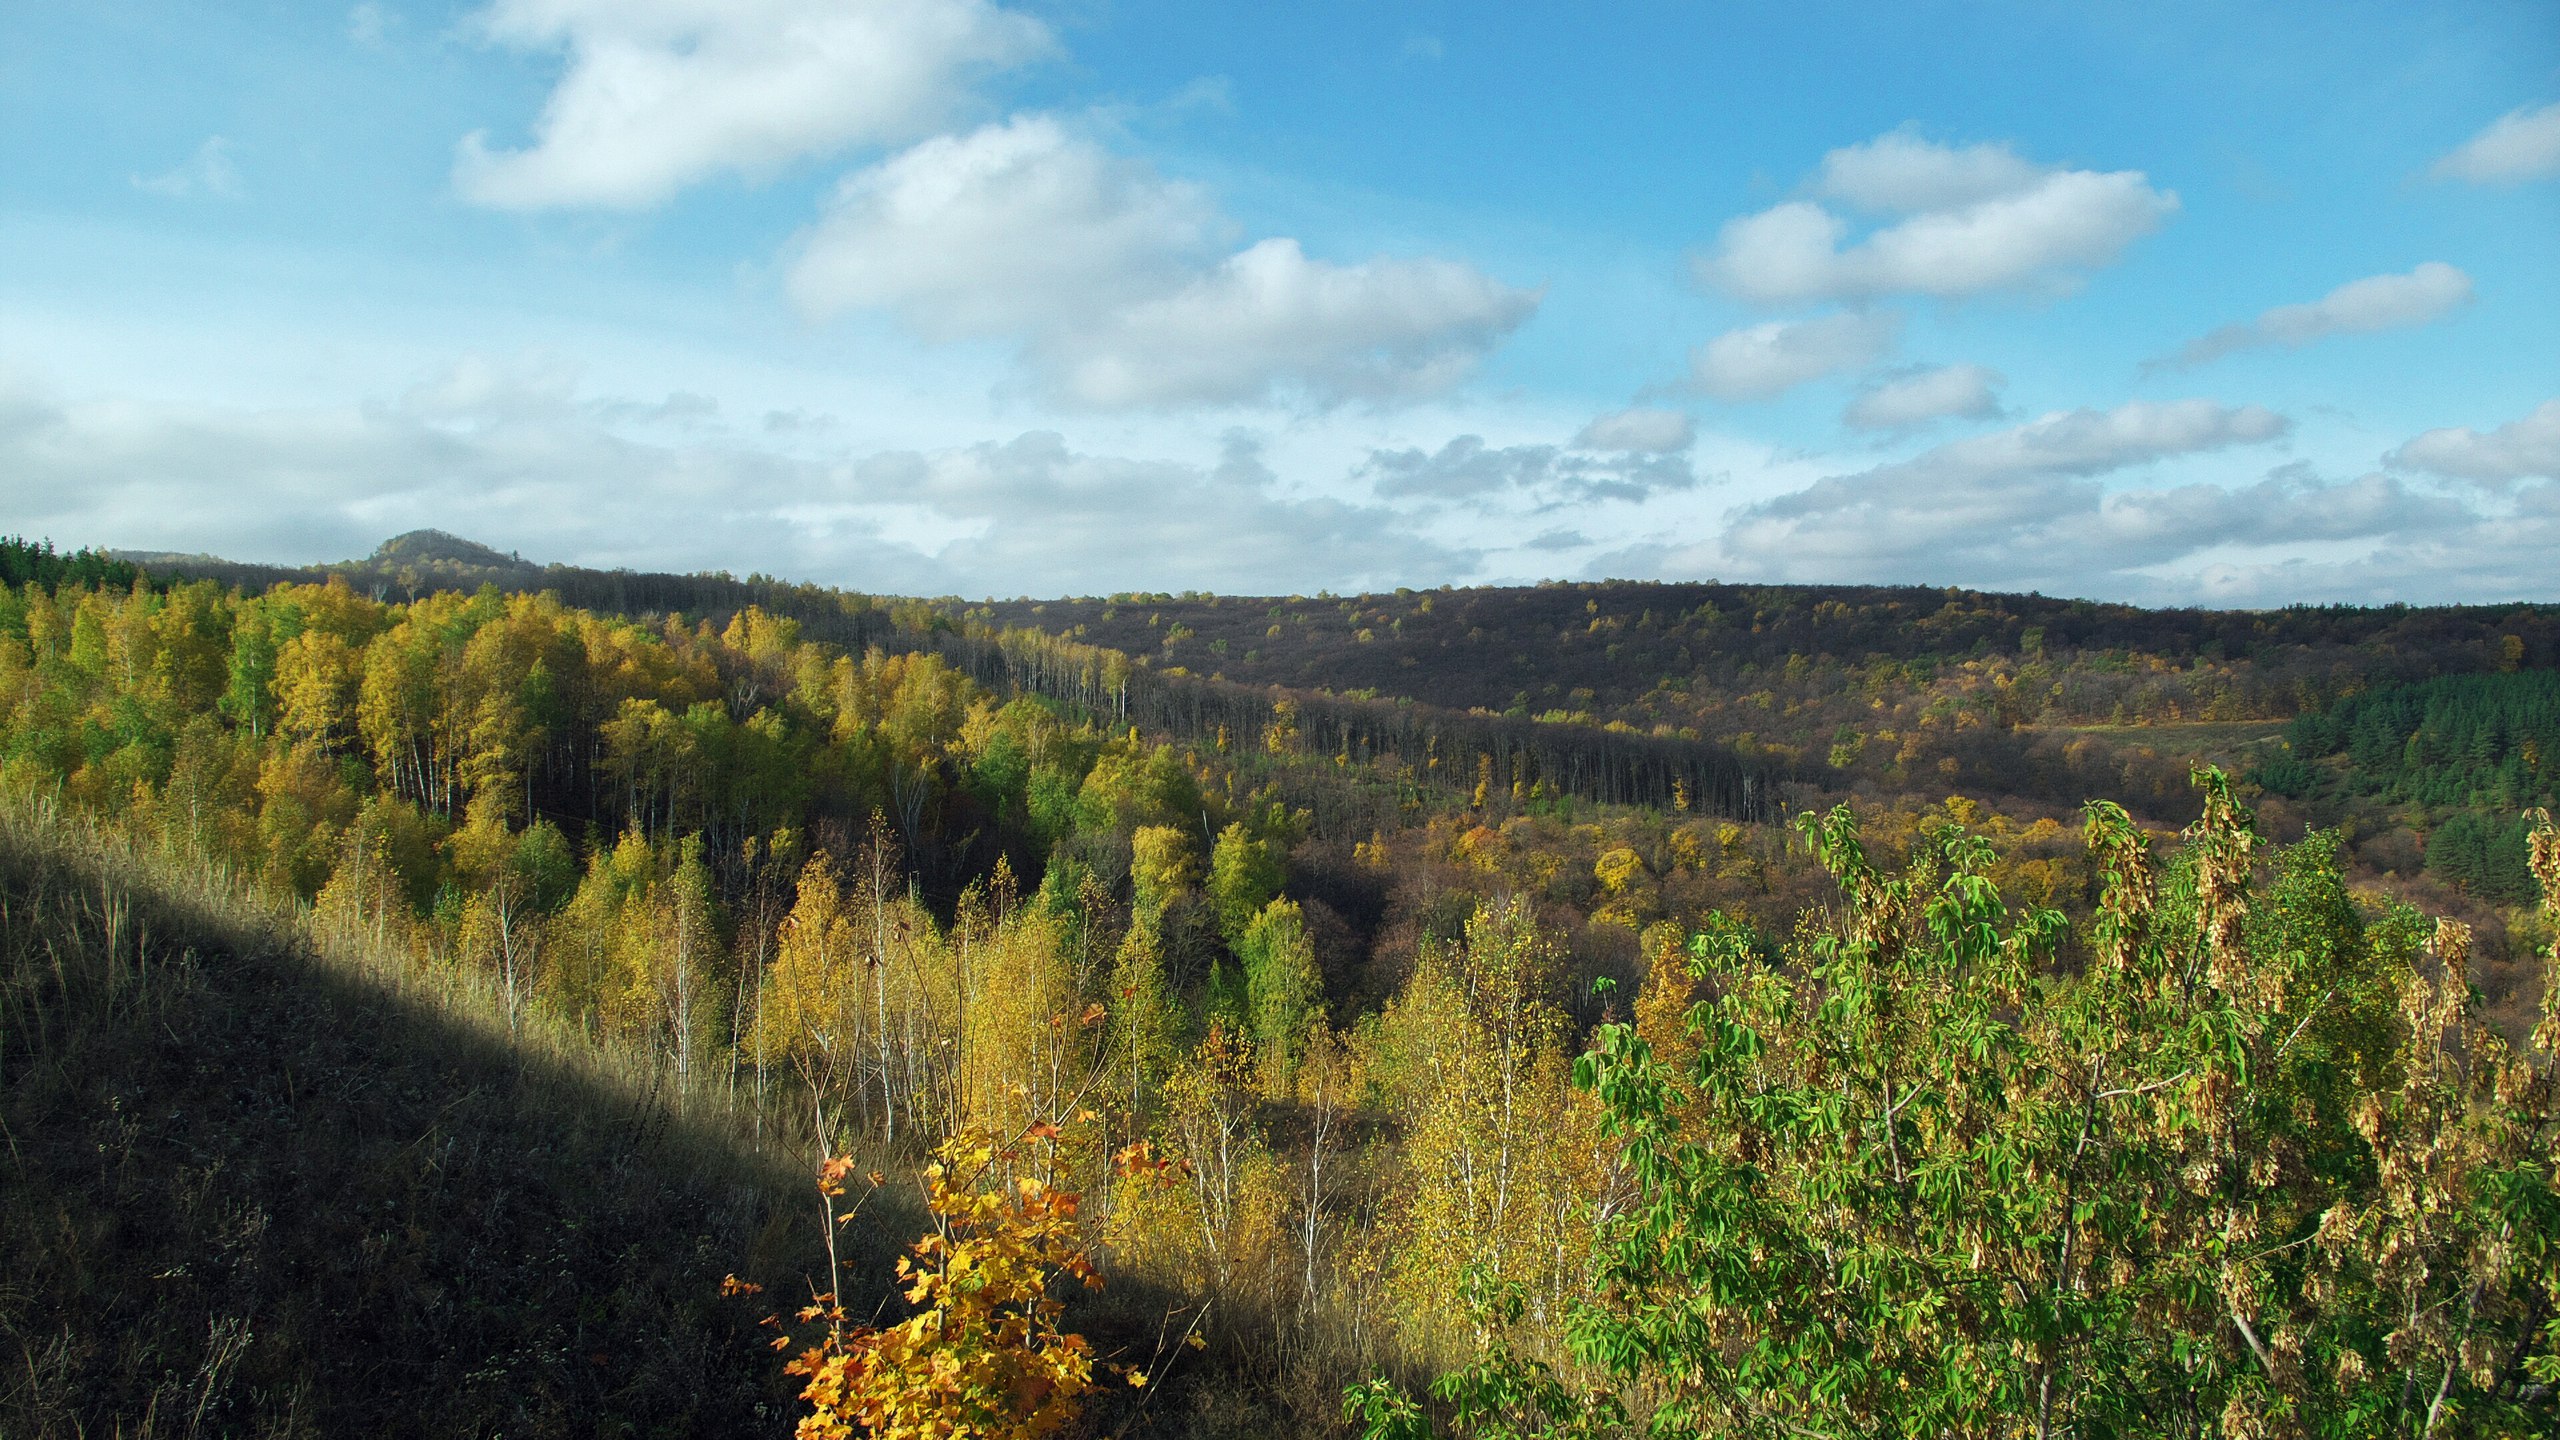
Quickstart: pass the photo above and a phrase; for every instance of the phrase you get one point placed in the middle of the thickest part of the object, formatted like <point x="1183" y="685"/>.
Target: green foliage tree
<point x="1245" y="874"/>
<point x="1284" y="995"/>
<point x="2246" y="1168"/>
<point x="1162" y="868"/>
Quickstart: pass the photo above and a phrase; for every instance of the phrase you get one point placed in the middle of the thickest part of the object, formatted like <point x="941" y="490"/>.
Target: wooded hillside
<point x="1288" y="982"/>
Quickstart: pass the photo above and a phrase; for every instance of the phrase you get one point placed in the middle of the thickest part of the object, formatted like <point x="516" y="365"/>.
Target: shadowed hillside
<point x="254" y="1192"/>
<point x="258" y="1188"/>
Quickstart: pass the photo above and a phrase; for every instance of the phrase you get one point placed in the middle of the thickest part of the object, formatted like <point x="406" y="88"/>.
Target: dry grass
<point x="262" y="1180"/>
<point x="262" y="1177"/>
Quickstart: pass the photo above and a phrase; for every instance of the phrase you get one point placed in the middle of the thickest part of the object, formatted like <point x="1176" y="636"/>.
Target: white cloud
<point x="2517" y="450"/>
<point x="1108" y="274"/>
<point x="2523" y="144"/>
<point x="1651" y="432"/>
<point x="2377" y="302"/>
<point x="1269" y="319"/>
<point x="1018" y="226"/>
<point x="1761" y="361"/>
<point x="1916" y="397"/>
<point x="208" y="173"/>
<point x="1978" y="220"/>
<point x="660" y="94"/>
<point x="1902" y="174"/>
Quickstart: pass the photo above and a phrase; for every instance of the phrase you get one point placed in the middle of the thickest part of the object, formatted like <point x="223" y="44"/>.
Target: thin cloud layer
<point x="2160" y="545"/>
<point x="1071" y="523"/>
<point x="539" y="464"/>
<point x="661" y="94"/>
<point x="1971" y="506"/>
<point x="2521" y="145"/>
<point x="2470" y="557"/>
<point x="1646" y="431"/>
<point x="2426" y="294"/>
<point x="1913" y="398"/>
<point x="1107" y="274"/>
<point x="1974" y="221"/>
<point x="1760" y="362"/>
<point x="1470" y="472"/>
<point x="2518" y="450"/>
<point x="517" y="459"/>
<point x="209" y="174"/>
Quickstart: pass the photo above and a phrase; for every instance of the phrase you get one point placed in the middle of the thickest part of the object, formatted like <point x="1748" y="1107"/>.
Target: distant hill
<point x="436" y="547"/>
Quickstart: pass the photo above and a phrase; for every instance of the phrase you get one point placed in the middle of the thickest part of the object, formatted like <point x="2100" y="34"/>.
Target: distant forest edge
<point x="1708" y="699"/>
<point x="1449" y="752"/>
<point x="1712" y="696"/>
<point x="1705" y="697"/>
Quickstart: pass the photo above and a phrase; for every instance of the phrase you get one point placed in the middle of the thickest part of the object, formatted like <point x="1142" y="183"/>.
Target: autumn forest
<point x="447" y="994"/>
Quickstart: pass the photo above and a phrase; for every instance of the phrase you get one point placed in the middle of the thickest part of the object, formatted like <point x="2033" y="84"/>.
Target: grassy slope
<point x="249" y="1190"/>
<point x="254" y="1185"/>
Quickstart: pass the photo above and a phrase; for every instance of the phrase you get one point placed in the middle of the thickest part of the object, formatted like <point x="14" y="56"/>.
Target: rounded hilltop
<point x="428" y="547"/>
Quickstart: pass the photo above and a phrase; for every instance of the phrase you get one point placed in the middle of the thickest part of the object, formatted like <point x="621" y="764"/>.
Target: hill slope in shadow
<point x="248" y="1192"/>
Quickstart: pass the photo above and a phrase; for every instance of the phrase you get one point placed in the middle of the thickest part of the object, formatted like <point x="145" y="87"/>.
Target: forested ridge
<point x="1594" y="1058"/>
<point x="1657" y="654"/>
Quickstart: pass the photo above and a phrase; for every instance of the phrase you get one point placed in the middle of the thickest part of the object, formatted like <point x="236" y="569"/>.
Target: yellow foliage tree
<point x="811" y="1014"/>
<point x="1504" y="1156"/>
<point x="984" y="1356"/>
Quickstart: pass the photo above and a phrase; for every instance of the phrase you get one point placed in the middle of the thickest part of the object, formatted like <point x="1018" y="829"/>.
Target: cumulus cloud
<point x="1269" y="318"/>
<point x="1902" y="174"/>
<point x="1017" y="226"/>
<point x="2517" y="450"/>
<point x="660" y="94"/>
<point x="1759" y="362"/>
<point x="1109" y="274"/>
<point x="2377" y="302"/>
<point x="208" y="174"/>
<point x="1651" y="432"/>
<point x="517" y="456"/>
<point x="2521" y="145"/>
<point x="1913" y="398"/>
<point x="1469" y="471"/>
<point x="1973" y="220"/>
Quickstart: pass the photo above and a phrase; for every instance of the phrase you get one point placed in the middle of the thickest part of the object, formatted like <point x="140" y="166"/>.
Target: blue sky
<point x="2210" y="303"/>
